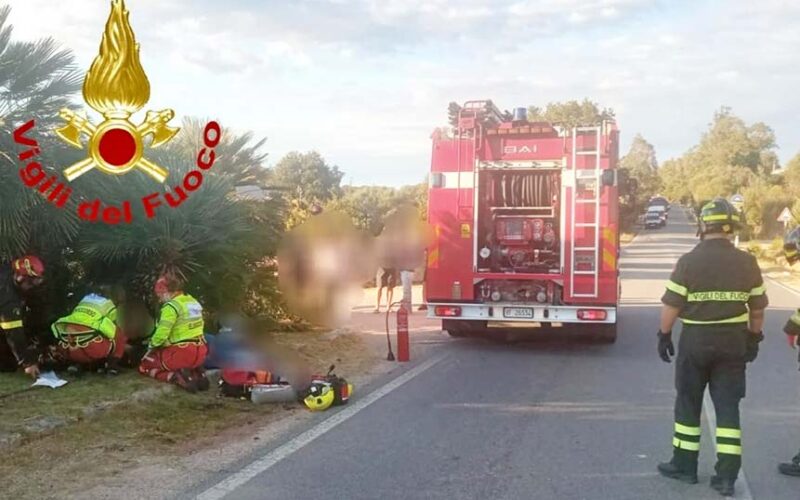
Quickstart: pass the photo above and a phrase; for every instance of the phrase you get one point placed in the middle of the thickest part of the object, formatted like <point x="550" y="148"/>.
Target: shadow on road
<point x="647" y="266"/>
<point x="555" y="339"/>
<point x="657" y="275"/>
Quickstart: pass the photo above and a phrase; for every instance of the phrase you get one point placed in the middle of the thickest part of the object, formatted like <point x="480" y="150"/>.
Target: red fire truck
<point x="525" y="224"/>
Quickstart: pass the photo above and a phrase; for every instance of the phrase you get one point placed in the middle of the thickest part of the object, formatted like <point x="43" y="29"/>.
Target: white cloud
<point x="578" y="18"/>
<point x="365" y="81"/>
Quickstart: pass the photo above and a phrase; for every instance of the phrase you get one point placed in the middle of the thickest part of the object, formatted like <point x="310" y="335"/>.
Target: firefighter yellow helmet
<point x="320" y="396"/>
<point x="719" y="216"/>
<point x="791" y="246"/>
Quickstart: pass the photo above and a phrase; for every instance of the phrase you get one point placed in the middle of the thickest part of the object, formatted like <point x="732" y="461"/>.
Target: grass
<point x="772" y="263"/>
<point x="23" y="414"/>
<point x="768" y="253"/>
<point x="108" y="425"/>
<point x="120" y="438"/>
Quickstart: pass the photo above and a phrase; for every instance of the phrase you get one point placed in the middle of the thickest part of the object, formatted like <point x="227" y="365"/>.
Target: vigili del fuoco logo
<point x="116" y="87"/>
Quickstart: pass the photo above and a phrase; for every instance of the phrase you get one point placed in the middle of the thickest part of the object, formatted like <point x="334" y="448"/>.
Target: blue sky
<point x="364" y="82"/>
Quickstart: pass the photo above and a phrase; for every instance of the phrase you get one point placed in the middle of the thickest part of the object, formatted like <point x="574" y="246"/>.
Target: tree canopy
<point x="368" y="206"/>
<point x="306" y="180"/>
<point x="36" y="80"/>
<point x="571" y="113"/>
<point x="732" y="157"/>
<point x="641" y="165"/>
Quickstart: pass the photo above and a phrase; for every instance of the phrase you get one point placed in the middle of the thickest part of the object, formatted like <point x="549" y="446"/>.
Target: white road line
<point x="785" y="287"/>
<point x="742" y="488"/>
<point x="234" y="481"/>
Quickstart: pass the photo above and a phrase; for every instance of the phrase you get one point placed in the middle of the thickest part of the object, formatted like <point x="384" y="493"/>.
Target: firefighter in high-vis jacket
<point x="719" y="294"/>
<point x="17" y="279"/>
<point x="791" y="250"/>
<point x="177" y="347"/>
<point x="90" y="334"/>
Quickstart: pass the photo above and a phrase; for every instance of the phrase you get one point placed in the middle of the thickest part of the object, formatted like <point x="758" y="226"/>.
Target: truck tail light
<point x="592" y="314"/>
<point x="449" y="311"/>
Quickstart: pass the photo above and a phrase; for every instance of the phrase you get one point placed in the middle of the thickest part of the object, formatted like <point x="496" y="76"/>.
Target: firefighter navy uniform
<point x="791" y="251"/>
<point x="15" y="347"/>
<point x="714" y="286"/>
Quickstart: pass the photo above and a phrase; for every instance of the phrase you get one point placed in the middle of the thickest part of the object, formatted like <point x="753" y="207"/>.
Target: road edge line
<point x="741" y="486"/>
<point x="782" y="285"/>
<point x="228" y="485"/>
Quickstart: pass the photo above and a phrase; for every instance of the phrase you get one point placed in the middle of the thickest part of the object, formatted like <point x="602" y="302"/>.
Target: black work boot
<point x="723" y="485"/>
<point x="792" y="468"/>
<point x="112" y="366"/>
<point x="184" y="379"/>
<point x="200" y="378"/>
<point x="672" y="471"/>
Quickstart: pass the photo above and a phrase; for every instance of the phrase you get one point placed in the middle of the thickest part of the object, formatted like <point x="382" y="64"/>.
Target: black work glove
<point x="665" y="347"/>
<point x="753" y="339"/>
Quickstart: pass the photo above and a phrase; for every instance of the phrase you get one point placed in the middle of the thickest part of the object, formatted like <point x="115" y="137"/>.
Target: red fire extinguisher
<point x="402" y="335"/>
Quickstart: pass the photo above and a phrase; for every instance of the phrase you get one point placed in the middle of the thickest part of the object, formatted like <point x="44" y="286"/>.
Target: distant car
<point x="653" y="220"/>
<point x="659" y="201"/>
<point x="660" y="210"/>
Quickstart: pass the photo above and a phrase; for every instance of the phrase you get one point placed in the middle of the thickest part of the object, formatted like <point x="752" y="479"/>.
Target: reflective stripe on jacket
<point x="716" y="284"/>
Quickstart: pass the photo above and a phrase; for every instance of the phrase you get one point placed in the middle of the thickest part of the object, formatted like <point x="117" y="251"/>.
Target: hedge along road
<point x="537" y="420"/>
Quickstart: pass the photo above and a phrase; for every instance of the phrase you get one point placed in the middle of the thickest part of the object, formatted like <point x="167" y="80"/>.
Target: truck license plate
<point x="518" y="312"/>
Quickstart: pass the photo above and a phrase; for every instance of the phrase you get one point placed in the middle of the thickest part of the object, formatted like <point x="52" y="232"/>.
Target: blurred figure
<point x="232" y="346"/>
<point x="322" y="266"/>
<point x="423" y="306"/>
<point x="178" y="347"/>
<point x="138" y="324"/>
<point x="91" y="333"/>
<point x="385" y="278"/>
<point x="401" y="246"/>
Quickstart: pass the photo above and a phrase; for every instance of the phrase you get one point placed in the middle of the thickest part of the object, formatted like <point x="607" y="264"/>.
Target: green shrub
<point x="755" y="249"/>
<point x="776" y="247"/>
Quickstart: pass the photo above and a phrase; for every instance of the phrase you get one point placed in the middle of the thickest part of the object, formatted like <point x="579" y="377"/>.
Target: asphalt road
<point x="546" y="419"/>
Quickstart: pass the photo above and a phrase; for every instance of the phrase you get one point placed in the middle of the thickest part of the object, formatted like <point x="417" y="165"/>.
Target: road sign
<point x="785" y="216"/>
<point x="737" y="201"/>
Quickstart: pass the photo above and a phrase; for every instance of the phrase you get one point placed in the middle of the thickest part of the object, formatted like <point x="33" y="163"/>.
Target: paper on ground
<point x="49" y="379"/>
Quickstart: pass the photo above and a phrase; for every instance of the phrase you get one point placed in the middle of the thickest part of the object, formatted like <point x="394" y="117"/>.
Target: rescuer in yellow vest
<point x="177" y="347"/>
<point x="91" y="333"/>
<point x="719" y="294"/>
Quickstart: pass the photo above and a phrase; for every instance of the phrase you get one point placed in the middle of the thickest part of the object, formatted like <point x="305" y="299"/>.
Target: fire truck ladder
<point x="586" y="174"/>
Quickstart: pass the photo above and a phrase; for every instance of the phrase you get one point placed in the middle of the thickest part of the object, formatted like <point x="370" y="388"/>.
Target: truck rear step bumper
<point x="522" y="313"/>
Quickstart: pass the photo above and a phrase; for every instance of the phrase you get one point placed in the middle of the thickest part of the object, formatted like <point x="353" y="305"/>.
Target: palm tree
<point x="213" y="239"/>
<point x="37" y="79"/>
<point x="220" y="243"/>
